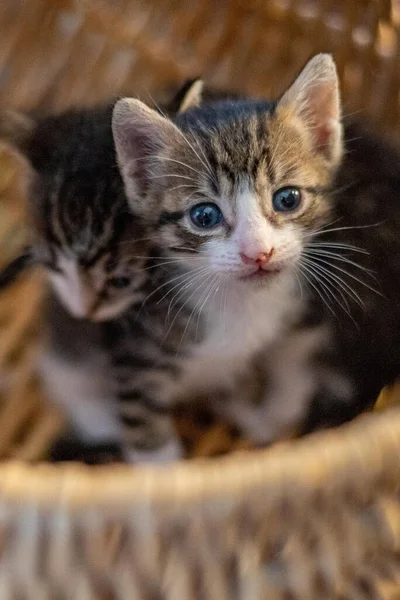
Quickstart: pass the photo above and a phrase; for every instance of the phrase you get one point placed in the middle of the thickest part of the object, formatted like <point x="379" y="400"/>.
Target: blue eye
<point x="286" y="199"/>
<point x="206" y="215"/>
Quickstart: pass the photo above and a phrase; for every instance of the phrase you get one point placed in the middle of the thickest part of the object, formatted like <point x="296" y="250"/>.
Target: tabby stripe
<point x="171" y="217"/>
<point x="212" y="161"/>
<point x="105" y="248"/>
<point x="270" y="169"/>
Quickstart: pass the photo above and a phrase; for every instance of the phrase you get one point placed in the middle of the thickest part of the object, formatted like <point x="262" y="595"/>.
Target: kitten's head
<point x="92" y="247"/>
<point x="236" y="185"/>
<point x="83" y="233"/>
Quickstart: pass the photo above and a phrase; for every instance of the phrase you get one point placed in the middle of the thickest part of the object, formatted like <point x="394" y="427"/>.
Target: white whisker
<point x="338" y="246"/>
<point x="212" y="275"/>
<point x="343" y="284"/>
<point x="309" y="278"/>
<point x="351" y="275"/>
<point x="340" y="258"/>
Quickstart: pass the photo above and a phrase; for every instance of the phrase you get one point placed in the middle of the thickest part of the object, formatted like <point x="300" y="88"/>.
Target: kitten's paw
<point x="170" y="452"/>
<point x="266" y="423"/>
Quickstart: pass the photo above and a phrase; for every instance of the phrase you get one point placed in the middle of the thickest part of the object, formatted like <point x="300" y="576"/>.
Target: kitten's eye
<point x="206" y="215"/>
<point x="119" y="282"/>
<point x="286" y="199"/>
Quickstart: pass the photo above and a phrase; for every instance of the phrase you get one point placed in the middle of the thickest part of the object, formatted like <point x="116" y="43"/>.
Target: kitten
<point x="255" y="207"/>
<point x="93" y="249"/>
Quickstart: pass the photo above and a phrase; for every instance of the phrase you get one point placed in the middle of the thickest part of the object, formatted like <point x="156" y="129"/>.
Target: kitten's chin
<point x="261" y="276"/>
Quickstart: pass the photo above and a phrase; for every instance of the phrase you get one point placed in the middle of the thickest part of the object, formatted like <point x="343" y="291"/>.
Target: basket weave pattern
<point x="316" y="519"/>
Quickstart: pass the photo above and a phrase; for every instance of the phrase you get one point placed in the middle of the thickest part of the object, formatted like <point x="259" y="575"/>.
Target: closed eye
<point x="119" y="283"/>
<point x="51" y="266"/>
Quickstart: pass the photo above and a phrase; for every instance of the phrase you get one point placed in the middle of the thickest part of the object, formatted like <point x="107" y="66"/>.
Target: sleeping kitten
<point x="255" y="208"/>
<point x="93" y="249"/>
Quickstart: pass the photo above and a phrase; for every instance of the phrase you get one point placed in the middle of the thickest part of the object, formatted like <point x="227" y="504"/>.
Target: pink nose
<point x="262" y="258"/>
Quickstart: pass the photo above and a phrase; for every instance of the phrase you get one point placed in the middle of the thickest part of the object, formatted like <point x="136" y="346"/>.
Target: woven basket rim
<point x="357" y="457"/>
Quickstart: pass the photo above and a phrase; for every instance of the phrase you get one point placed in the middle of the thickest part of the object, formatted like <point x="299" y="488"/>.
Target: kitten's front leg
<point x="289" y="381"/>
<point x="148" y="434"/>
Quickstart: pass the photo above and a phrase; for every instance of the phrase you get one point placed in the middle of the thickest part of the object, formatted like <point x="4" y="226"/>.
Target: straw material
<point x="312" y="519"/>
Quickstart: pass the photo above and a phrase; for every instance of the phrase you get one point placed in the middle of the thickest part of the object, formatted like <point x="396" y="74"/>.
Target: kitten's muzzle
<point x="260" y="259"/>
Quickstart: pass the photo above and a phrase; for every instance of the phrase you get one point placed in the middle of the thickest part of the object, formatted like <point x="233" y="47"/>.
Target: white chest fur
<point x="238" y="322"/>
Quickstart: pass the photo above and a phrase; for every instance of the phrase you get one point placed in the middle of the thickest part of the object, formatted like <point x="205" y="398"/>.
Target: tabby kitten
<point x="255" y="208"/>
<point x="94" y="251"/>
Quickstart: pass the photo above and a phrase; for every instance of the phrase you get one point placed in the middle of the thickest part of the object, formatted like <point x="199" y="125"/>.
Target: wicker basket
<point x="311" y="519"/>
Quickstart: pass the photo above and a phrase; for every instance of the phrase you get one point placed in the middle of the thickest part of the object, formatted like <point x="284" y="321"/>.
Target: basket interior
<point x="55" y="54"/>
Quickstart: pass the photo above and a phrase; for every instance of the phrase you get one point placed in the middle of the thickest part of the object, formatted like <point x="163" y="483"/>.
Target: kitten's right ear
<point x="142" y="136"/>
<point x="16" y="128"/>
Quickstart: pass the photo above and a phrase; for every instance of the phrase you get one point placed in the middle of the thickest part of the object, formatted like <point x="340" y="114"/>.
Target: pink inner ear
<point x="323" y="107"/>
<point x="323" y="136"/>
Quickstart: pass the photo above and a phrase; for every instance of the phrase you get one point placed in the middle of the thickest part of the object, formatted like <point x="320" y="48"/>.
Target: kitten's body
<point x="234" y="154"/>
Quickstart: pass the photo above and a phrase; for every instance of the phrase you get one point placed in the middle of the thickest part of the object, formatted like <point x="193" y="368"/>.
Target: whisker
<point x="168" y="262"/>
<point x="340" y="258"/>
<point x="182" y="164"/>
<point x="348" y="228"/>
<point x="309" y="278"/>
<point x="184" y="286"/>
<point x="183" y="185"/>
<point x="160" y="287"/>
<point x="299" y="282"/>
<point x="172" y="175"/>
<point x="337" y="268"/>
<point x="328" y="283"/>
<point x="194" y="310"/>
<point x="189" y="275"/>
<point x="343" y="284"/>
<point x="338" y="246"/>
<point x="183" y="305"/>
<point x="337" y="284"/>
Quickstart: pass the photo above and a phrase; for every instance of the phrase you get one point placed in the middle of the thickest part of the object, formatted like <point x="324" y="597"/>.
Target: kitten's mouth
<point x="260" y="274"/>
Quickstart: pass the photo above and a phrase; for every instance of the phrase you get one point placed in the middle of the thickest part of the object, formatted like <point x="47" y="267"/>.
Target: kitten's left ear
<point x="142" y="136"/>
<point x="189" y="96"/>
<point x="193" y="95"/>
<point x="314" y="99"/>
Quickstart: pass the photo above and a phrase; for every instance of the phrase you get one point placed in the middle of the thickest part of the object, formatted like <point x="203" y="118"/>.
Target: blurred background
<point x="58" y="53"/>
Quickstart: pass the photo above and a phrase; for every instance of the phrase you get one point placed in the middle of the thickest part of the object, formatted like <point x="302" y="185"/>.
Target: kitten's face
<point x="237" y="187"/>
<point x="92" y="249"/>
<point x="243" y="204"/>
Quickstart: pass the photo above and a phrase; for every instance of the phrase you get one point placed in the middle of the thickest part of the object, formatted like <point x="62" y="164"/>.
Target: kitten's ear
<point x="141" y="135"/>
<point x="189" y="96"/>
<point x="314" y="98"/>
<point x="193" y="95"/>
<point x="16" y="128"/>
